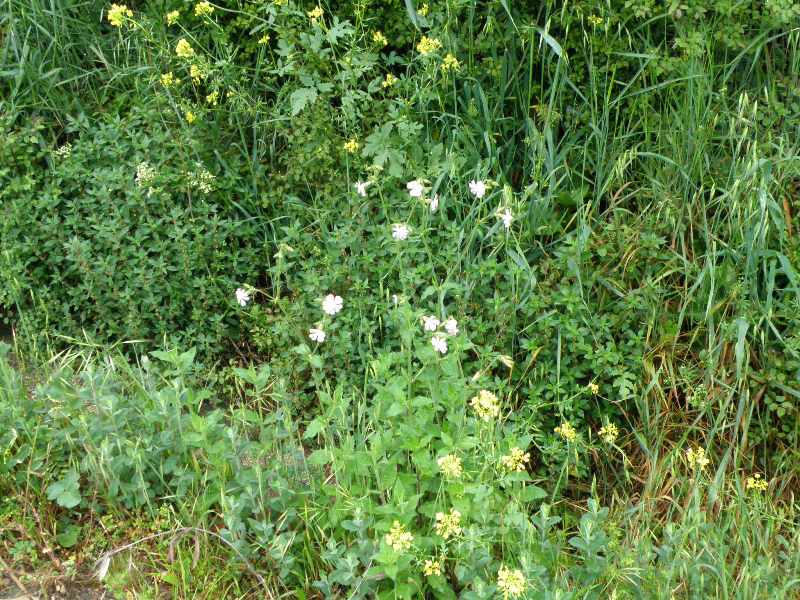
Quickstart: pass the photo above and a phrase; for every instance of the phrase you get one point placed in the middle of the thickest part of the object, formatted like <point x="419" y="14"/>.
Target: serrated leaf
<point x="301" y="98"/>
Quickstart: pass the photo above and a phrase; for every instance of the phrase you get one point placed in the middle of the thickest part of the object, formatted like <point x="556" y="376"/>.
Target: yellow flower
<point x="594" y="388"/>
<point x="697" y="459"/>
<point x="379" y="39"/>
<point x="449" y="524"/>
<point x="190" y="117"/>
<point x="427" y="45"/>
<point x="398" y="538"/>
<point x="389" y="81"/>
<point x="117" y="13"/>
<point x="567" y="431"/>
<point x="173" y="16"/>
<point x="203" y="9"/>
<point x="264" y="39"/>
<point x="515" y="460"/>
<point x="510" y="582"/>
<point x="184" y="49"/>
<point x="486" y="405"/>
<point x="609" y="432"/>
<point x="168" y="79"/>
<point x="595" y="21"/>
<point x="352" y="146"/>
<point x="450" y="465"/>
<point x="432" y="567"/>
<point x="212" y="98"/>
<point x="756" y="484"/>
<point x="450" y="63"/>
<point x="197" y="74"/>
<point x="423" y="10"/>
<point x="315" y="14"/>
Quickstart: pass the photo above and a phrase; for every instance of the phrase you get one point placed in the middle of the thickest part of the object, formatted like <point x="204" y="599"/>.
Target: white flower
<point x="430" y="323"/>
<point x="478" y="188"/>
<point x="434" y="202"/>
<point x="506" y="216"/>
<point x="361" y="188"/>
<point x="451" y="326"/>
<point x="316" y="335"/>
<point x="400" y="232"/>
<point x="332" y="304"/>
<point x="415" y="188"/>
<point x="242" y="296"/>
<point x="439" y="344"/>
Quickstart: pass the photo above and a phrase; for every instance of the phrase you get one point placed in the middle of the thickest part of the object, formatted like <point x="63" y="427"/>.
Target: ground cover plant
<point x="400" y="299"/>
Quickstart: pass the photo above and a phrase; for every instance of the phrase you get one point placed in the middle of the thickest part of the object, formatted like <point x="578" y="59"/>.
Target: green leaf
<point x="301" y="98"/>
<point x="531" y="493"/>
<point x="66" y="491"/>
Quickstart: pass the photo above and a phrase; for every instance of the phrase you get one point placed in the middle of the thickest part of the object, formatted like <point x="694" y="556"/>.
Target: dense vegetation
<point x="377" y="298"/>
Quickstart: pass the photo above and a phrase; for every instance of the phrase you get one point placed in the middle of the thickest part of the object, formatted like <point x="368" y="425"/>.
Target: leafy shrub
<point x="124" y="234"/>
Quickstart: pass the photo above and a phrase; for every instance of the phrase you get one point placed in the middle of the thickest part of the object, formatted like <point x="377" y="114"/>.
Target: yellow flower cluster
<point x="315" y="14"/>
<point x="203" y="9"/>
<point x="448" y="524"/>
<point x="184" y="49"/>
<point x="432" y="567"/>
<point x="168" y="79"/>
<point x="389" y="81"/>
<point x="172" y="17"/>
<point x="264" y="39"/>
<point x="213" y="98"/>
<point x="380" y="39"/>
<point x="427" y="45"/>
<point x="117" y="13"/>
<point x="511" y="582"/>
<point x="609" y="433"/>
<point x="352" y="146"/>
<point x="594" y="388"/>
<point x="697" y="459"/>
<point x="423" y="10"/>
<point x="756" y="484"/>
<point x="190" y="117"/>
<point x="197" y="74"/>
<point x="595" y="21"/>
<point x="450" y="465"/>
<point x="515" y="460"/>
<point x="486" y="405"/>
<point x="567" y="431"/>
<point x="450" y="63"/>
<point x="398" y="538"/>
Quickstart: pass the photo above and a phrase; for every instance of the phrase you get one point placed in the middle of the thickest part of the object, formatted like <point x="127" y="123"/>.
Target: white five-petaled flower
<point x="434" y="202"/>
<point x="506" y="216"/>
<point x="332" y="304"/>
<point x="316" y="335"/>
<point x="478" y="188"/>
<point x="361" y="188"/>
<point x="415" y="188"/>
<point x="439" y="344"/>
<point x="400" y="232"/>
<point x="451" y="326"/>
<point x="242" y="296"/>
<point x="430" y="323"/>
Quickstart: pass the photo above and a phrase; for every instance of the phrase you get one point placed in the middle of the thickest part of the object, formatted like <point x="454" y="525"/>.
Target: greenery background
<point x="648" y="153"/>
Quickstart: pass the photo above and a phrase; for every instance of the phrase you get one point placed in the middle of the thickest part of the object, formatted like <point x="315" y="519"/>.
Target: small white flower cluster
<point x="63" y="151"/>
<point x="439" y="339"/>
<point x="202" y="180"/>
<point x="145" y="174"/>
<point x="400" y="232"/>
